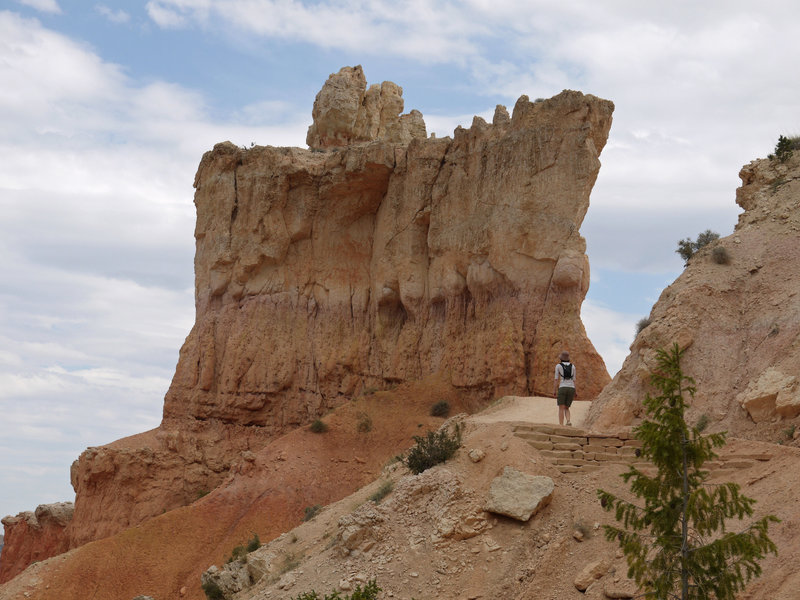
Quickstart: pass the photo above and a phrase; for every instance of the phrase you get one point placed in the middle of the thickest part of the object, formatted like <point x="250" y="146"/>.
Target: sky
<point x="106" y="109"/>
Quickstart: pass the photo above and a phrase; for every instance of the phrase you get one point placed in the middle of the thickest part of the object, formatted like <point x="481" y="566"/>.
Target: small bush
<point x="383" y="491"/>
<point x="440" y="409"/>
<point x="642" y="324"/>
<point x="311" y="512"/>
<point x="431" y="450"/>
<point x="368" y="592"/>
<point x="213" y="591"/>
<point x="253" y="544"/>
<point x="364" y="424"/>
<point x="318" y="426"/>
<point x="238" y="553"/>
<point x="687" y="248"/>
<point x="705" y="238"/>
<point x="720" y="255"/>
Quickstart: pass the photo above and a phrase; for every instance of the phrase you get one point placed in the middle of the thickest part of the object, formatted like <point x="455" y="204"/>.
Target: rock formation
<point x="320" y="274"/>
<point x="378" y="256"/>
<point x="737" y="320"/>
<point x="33" y="536"/>
<point x="346" y="112"/>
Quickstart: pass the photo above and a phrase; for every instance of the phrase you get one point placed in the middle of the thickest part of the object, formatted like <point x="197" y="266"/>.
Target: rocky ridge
<point x="737" y="320"/>
<point x="441" y="534"/>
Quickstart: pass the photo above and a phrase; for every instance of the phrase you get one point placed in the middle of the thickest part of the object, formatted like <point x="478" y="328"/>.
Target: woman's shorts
<point x="565" y="396"/>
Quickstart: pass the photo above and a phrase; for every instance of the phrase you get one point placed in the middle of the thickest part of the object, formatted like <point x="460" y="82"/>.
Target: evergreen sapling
<point x="675" y="536"/>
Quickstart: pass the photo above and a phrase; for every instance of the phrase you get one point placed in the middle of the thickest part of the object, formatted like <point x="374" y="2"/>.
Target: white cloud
<point x="118" y="16"/>
<point x="610" y="331"/>
<point x="46" y="6"/>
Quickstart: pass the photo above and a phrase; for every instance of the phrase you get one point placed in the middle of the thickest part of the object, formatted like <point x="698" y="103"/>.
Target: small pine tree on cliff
<point x="675" y="539"/>
<point x="783" y="149"/>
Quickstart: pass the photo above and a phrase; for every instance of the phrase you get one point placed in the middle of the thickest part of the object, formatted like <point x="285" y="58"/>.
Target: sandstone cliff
<point x="737" y="321"/>
<point x="379" y="256"/>
<point x="320" y="274"/>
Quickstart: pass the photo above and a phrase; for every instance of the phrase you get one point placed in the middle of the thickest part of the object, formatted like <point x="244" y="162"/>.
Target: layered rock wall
<point x="738" y="321"/>
<point x="320" y="274"/>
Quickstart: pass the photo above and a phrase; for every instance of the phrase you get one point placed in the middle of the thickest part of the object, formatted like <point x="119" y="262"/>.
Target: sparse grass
<point x="200" y="494"/>
<point x="311" y="512"/>
<point x="238" y="553"/>
<point x="431" y="450"/>
<point x="789" y="431"/>
<point x="440" y="409"/>
<point x="289" y="563"/>
<point x="720" y="255"/>
<point x="773" y="187"/>
<point x="383" y="491"/>
<point x="364" y="424"/>
<point x="318" y="426"/>
<point x="642" y="324"/>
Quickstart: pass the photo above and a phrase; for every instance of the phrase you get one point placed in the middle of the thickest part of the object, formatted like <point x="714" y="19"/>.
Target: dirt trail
<point x="533" y="409"/>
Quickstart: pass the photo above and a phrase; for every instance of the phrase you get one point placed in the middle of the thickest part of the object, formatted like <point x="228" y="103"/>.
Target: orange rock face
<point x="737" y="320"/>
<point x="320" y="274"/>
<point x="32" y="536"/>
<point x="379" y="256"/>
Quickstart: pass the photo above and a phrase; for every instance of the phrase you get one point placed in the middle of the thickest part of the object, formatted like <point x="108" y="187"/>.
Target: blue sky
<point x="106" y="109"/>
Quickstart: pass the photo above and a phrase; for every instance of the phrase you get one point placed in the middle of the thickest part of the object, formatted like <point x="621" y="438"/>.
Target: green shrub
<point x="720" y="255"/>
<point x="440" y="409"/>
<point x="368" y="592"/>
<point x="241" y="552"/>
<point x="431" y="450"/>
<point x="364" y="424"/>
<point x="238" y="553"/>
<point x="687" y="248"/>
<point x="642" y="324"/>
<point x="783" y="149"/>
<point x="311" y="512"/>
<point x="318" y="426"/>
<point x="254" y="543"/>
<point x="383" y="491"/>
<point x="213" y="591"/>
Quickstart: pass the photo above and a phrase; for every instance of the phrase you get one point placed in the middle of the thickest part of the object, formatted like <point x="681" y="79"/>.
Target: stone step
<point x="762" y="456"/>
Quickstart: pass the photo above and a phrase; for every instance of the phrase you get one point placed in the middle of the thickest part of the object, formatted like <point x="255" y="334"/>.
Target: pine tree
<point x="675" y="539"/>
